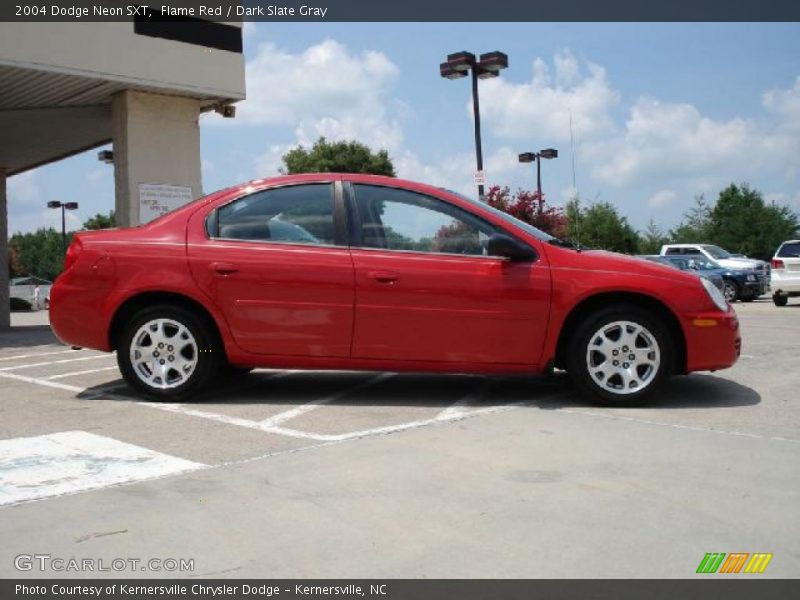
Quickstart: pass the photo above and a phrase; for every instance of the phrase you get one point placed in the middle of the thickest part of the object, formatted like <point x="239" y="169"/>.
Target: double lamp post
<point x="488" y="65"/>
<point x="64" y="206"/>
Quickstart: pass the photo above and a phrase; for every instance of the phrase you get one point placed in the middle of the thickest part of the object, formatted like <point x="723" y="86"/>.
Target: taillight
<point x="777" y="263"/>
<point x="72" y="253"/>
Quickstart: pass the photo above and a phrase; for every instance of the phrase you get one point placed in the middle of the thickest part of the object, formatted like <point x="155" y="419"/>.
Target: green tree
<point x="338" y="157"/>
<point x="695" y="228"/>
<point x="742" y="222"/>
<point x="601" y="226"/>
<point x="652" y="239"/>
<point x="100" y="221"/>
<point x="39" y="253"/>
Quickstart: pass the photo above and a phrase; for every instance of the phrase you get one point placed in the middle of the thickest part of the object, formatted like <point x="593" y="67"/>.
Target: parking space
<point x="317" y="474"/>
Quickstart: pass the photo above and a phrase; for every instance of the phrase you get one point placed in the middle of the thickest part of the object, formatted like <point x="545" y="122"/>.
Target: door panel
<point x="291" y="296"/>
<point x="427" y="291"/>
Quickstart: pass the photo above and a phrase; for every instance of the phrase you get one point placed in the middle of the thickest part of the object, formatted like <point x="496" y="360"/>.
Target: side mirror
<point x="508" y="247"/>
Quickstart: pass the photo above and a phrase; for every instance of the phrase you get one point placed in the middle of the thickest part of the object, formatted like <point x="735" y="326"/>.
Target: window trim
<point x="337" y="211"/>
<point x="355" y="226"/>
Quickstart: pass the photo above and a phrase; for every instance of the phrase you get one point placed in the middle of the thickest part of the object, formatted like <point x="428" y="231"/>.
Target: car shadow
<point x="26" y="336"/>
<point x="377" y="390"/>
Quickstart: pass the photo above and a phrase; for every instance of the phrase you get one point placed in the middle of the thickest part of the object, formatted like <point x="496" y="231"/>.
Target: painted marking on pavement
<point x="276" y="420"/>
<point x="56" y="362"/>
<point x="38" y="467"/>
<point x="76" y="373"/>
<point x="21" y="356"/>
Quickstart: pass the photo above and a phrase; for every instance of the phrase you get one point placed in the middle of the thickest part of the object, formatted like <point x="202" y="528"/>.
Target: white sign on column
<point x="158" y="199"/>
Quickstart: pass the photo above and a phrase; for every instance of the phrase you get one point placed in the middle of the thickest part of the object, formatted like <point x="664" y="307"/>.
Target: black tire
<point x="730" y="290"/>
<point x="780" y="299"/>
<point x="208" y="356"/>
<point x="607" y="393"/>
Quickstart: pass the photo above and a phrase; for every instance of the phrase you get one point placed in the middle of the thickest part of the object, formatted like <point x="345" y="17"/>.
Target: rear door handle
<point x="223" y="269"/>
<point x="383" y="276"/>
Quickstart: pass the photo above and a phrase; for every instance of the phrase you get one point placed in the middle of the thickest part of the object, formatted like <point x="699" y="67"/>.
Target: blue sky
<point x="661" y="112"/>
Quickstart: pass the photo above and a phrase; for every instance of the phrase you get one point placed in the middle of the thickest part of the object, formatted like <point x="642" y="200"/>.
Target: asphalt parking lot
<point x="313" y="474"/>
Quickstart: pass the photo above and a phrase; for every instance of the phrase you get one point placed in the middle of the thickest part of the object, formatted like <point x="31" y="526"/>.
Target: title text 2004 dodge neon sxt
<point x="363" y="272"/>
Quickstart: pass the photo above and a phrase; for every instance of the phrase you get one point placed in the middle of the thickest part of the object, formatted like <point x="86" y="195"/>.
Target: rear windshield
<point x="790" y="250"/>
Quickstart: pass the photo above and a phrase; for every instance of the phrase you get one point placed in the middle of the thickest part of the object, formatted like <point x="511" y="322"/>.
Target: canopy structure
<point x="69" y="87"/>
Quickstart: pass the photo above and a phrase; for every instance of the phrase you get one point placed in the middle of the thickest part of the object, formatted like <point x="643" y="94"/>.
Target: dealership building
<point x="68" y="87"/>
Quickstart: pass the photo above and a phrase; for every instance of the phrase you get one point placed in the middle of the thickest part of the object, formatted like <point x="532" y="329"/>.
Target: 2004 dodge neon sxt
<point x="334" y="271"/>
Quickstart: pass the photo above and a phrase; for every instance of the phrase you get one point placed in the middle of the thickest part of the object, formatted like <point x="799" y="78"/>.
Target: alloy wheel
<point x="623" y="357"/>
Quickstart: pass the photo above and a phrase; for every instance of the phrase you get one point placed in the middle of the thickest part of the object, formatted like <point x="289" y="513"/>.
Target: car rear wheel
<point x="619" y="355"/>
<point x="167" y="353"/>
<point x="780" y="299"/>
<point x="730" y="290"/>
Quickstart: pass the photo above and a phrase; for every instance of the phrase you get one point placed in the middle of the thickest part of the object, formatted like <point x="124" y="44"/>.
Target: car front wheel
<point x="167" y="353"/>
<point x="619" y="355"/>
<point x="730" y="290"/>
<point x="780" y="299"/>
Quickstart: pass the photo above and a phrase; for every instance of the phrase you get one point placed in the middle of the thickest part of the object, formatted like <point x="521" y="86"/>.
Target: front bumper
<point x="713" y="341"/>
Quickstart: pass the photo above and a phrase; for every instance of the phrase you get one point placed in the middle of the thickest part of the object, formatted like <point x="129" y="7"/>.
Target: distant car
<point x="785" y="281"/>
<point x="747" y="288"/>
<point x="701" y="267"/>
<point x="360" y="272"/>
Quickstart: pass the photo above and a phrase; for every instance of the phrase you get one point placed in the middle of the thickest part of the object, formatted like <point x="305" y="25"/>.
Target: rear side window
<point x="674" y="251"/>
<point x="300" y="214"/>
<point x="790" y="250"/>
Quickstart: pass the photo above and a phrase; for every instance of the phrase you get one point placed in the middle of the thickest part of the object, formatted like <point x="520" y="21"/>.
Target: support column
<point x="156" y="141"/>
<point x="5" y="316"/>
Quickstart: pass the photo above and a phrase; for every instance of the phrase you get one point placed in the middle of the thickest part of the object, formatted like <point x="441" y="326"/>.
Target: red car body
<point x="345" y="307"/>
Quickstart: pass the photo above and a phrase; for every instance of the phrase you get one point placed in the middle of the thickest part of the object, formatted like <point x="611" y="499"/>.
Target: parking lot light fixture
<point x="489" y="65"/>
<point x="64" y="206"/>
<point x="529" y="157"/>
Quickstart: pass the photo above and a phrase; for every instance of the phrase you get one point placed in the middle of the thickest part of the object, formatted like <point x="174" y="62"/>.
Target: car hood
<point x="602" y="260"/>
<point x="741" y="263"/>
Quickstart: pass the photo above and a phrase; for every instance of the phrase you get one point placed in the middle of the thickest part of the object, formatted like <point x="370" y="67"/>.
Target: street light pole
<point x="528" y="157"/>
<point x="489" y="65"/>
<point x="476" y="109"/>
<point x="64" y="206"/>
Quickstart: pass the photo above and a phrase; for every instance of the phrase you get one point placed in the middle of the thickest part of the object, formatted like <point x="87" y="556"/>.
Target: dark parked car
<point x="736" y="284"/>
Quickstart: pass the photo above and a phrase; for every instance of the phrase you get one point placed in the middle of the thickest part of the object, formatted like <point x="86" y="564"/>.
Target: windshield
<point x="537" y="233"/>
<point x="717" y="252"/>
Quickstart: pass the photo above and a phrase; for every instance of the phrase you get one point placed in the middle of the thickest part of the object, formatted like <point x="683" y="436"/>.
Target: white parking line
<point x="459" y="406"/>
<point x="276" y="420"/>
<point x="76" y="373"/>
<point x="21" y="356"/>
<point x="56" y="362"/>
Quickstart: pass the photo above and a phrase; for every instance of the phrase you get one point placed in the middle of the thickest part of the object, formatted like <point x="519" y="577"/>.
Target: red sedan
<point x="359" y="272"/>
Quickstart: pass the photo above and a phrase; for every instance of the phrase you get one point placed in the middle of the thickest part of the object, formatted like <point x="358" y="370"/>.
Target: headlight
<point x="751" y="277"/>
<point x="716" y="296"/>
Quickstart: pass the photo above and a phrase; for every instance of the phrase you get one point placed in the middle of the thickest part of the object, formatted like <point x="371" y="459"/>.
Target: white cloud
<point x="541" y="108"/>
<point x="662" y="199"/>
<point x="324" y="90"/>
<point x="678" y="142"/>
<point x="456" y="171"/>
<point x="785" y="104"/>
<point x="23" y="189"/>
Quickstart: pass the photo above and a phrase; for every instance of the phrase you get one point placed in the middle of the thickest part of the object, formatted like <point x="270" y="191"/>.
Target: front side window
<point x="717" y="252"/>
<point x="395" y="219"/>
<point x="300" y="214"/>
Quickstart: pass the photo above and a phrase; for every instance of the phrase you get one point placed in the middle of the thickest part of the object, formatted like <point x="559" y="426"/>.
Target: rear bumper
<point x="713" y="341"/>
<point x="75" y="317"/>
<point x="786" y="283"/>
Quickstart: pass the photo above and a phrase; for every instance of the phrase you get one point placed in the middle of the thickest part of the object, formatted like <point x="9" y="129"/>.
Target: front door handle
<point x="383" y="276"/>
<point x="223" y="269"/>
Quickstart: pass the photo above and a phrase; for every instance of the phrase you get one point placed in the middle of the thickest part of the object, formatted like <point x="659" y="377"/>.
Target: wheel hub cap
<point x="163" y="353"/>
<point x="623" y="357"/>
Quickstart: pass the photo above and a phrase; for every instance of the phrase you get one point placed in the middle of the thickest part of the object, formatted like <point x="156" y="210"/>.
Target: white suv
<point x="785" y="281"/>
